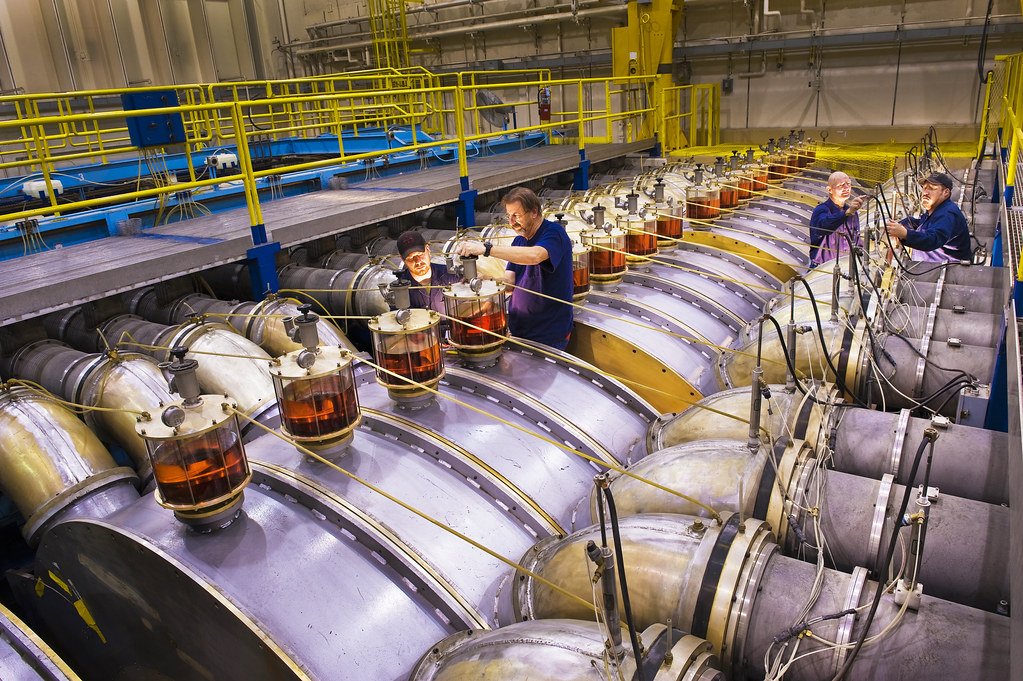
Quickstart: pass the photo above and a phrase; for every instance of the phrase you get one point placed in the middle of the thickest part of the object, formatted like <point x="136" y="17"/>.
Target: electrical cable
<point x="824" y="346"/>
<point x="626" y="603"/>
<point x="889" y="554"/>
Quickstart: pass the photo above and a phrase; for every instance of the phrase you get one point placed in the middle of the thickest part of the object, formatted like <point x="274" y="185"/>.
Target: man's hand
<point x="896" y="230"/>
<point x="470" y="248"/>
<point x="853" y="205"/>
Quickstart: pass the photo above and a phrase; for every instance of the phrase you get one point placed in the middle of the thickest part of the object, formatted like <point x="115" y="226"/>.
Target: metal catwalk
<point x="58" y="278"/>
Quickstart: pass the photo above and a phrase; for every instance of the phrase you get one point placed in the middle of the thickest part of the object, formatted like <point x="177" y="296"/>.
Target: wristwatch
<point x="486" y="248"/>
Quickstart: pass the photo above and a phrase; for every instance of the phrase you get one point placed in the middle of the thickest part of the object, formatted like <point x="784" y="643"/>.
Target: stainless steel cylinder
<point x="562" y="650"/>
<point x="914" y="378"/>
<point x="942" y="640"/>
<point x="229" y="364"/>
<point x="53" y="467"/>
<point x="873" y="443"/>
<point x="329" y="288"/>
<point x="970" y="328"/>
<point x="974" y="298"/>
<point x="965" y="557"/>
<point x="747" y="595"/>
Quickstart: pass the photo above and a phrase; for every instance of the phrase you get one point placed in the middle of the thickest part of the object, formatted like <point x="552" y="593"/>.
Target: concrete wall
<point x="860" y="65"/>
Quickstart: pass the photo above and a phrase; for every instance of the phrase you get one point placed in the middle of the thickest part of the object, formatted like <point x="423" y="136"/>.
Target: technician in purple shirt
<point x="539" y="261"/>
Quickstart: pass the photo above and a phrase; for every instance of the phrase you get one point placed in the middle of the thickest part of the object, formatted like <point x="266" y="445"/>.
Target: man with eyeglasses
<point x="539" y="268"/>
<point x="835" y="223"/>
<point x="940" y="234"/>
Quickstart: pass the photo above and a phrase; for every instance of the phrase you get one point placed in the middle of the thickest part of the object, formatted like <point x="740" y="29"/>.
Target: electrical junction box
<point x="222" y="161"/>
<point x="154" y="130"/>
<point x="37" y="188"/>
<point x="973" y="402"/>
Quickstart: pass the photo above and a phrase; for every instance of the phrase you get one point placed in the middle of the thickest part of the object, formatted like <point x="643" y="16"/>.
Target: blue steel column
<point x="466" y="205"/>
<point x="581" y="181"/>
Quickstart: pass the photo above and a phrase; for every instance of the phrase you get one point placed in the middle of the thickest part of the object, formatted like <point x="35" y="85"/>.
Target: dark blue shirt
<point x="945" y="228"/>
<point x="826" y="218"/>
<point x="535" y="317"/>
<point x="431" y="298"/>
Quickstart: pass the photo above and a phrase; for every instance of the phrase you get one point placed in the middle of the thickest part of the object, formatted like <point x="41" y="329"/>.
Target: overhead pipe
<point x="342" y="41"/>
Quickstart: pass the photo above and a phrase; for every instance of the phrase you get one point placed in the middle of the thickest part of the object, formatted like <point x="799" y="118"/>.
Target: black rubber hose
<point x="824" y="345"/>
<point x="879" y="592"/>
<point x="788" y="363"/>
<point x="626" y="604"/>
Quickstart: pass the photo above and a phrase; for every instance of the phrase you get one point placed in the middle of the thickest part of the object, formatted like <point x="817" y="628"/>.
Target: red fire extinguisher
<point x="543" y="102"/>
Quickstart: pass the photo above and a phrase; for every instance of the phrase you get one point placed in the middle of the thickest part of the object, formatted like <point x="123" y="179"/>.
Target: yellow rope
<point x="560" y="445"/>
<point x="507" y="561"/>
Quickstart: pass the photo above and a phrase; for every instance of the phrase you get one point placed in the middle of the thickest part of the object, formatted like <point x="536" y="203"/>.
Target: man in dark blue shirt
<point x="834" y="223"/>
<point x="427" y="278"/>
<point x="940" y="234"/>
<point x="539" y="262"/>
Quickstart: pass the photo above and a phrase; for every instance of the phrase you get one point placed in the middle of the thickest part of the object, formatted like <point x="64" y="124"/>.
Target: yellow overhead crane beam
<point x="644" y="48"/>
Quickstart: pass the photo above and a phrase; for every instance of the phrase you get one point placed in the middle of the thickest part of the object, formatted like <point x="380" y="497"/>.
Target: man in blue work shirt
<point x="427" y="278"/>
<point x="539" y="262"/>
<point x="940" y="234"/>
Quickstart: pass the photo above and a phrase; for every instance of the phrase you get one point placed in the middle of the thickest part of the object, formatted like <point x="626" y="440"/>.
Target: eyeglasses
<point x="515" y="217"/>
<point x="843" y="185"/>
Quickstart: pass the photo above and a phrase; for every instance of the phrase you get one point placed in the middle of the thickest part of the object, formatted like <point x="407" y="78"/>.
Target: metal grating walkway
<point x="52" y="280"/>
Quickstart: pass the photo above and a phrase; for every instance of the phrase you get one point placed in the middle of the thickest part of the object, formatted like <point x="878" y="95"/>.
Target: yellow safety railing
<point x="583" y="111"/>
<point x="1009" y="124"/>
<point x="92" y="139"/>
<point x="690" y="116"/>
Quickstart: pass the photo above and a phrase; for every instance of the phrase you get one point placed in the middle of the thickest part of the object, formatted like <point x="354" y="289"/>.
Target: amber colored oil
<point x="419" y="365"/>
<point x="318" y="407"/>
<point x="492" y="321"/>
<point x="201" y="472"/>
<point x="607" y="262"/>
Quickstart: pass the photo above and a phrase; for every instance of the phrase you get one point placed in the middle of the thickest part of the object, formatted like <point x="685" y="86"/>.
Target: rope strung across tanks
<point x="507" y="561"/>
<point x="604" y="464"/>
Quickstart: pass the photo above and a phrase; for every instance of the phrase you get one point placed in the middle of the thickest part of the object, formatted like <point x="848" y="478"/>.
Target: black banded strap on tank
<point x="843" y="357"/>
<point x="768" y="478"/>
<point x="655" y="655"/>
<point x="709" y="587"/>
<point x="803" y="419"/>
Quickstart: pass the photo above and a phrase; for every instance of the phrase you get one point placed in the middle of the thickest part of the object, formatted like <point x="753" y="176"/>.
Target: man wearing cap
<point x="539" y="262"/>
<point x="940" y="234"/>
<point x="427" y="278"/>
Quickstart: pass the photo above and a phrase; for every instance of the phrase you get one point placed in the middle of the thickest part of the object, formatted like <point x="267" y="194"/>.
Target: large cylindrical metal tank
<point x="53" y="467"/>
<point x="727" y="583"/>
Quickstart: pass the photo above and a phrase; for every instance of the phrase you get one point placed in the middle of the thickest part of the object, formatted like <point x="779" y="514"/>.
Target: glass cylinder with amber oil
<point x="607" y="254"/>
<point x="407" y="343"/>
<point x="198" y="460"/>
<point x="580" y="271"/>
<point x="479" y="324"/>
<point x="669" y="221"/>
<point x="478" y="321"/>
<point x="703" y="202"/>
<point x="316" y="396"/>
<point x="640" y="233"/>
<point x="777" y="167"/>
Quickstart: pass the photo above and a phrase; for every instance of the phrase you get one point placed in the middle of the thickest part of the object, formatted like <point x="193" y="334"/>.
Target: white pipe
<point x="768" y="13"/>
<point x="460" y="30"/>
